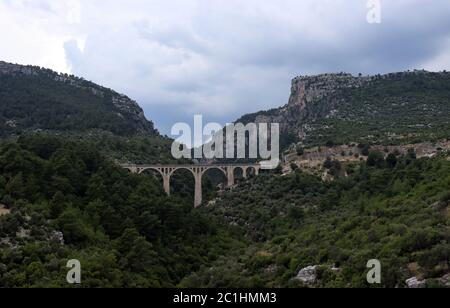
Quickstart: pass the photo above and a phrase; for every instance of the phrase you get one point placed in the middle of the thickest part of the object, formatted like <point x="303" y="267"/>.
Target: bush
<point x="364" y="148"/>
<point x="375" y="159"/>
<point x="391" y="160"/>
<point x="328" y="163"/>
<point x="445" y="199"/>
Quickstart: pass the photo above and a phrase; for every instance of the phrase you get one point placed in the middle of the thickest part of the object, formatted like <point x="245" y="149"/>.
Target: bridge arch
<point x="198" y="171"/>
<point x="173" y="170"/>
<point x="163" y="171"/>
<point x="206" y="169"/>
<point x="252" y="171"/>
<point x="240" y="172"/>
<point x="143" y="170"/>
<point x="152" y="172"/>
<point x="214" y="177"/>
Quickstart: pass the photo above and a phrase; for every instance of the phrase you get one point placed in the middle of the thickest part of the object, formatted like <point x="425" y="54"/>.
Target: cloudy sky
<point x="220" y="58"/>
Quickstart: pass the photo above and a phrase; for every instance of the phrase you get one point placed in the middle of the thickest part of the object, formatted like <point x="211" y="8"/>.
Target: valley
<point x="365" y="175"/>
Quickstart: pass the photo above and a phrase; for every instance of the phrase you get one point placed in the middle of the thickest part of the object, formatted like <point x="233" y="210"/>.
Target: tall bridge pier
<point x="198" y="171"/>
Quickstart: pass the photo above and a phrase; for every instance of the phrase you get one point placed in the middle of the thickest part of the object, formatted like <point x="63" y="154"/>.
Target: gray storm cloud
<point x="226" y="58"/>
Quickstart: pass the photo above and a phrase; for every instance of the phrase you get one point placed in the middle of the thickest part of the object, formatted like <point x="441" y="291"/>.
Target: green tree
<point x="375" y="159"/>
<point x="391" y="160"/>
<point x="72" y="225"/>
<point x="328" y="163"/>
<point x="137" y="254"/>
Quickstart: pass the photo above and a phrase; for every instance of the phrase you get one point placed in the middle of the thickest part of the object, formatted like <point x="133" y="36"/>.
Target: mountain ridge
<point x="322" y="103"/>
<point x="61" y="198"/>
<point x="40" y="87"/>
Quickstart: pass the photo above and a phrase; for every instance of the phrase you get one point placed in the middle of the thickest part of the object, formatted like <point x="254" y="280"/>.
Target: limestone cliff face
<point x="115" y="104"/>
<point x="310" y="89"/>
<point x="312" y="97"/>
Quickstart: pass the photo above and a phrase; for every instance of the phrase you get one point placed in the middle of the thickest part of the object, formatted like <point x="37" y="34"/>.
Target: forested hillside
<point x="39" y="99"/>
<point x="396" y="211"/>
<point x="64" y="196"/>
<point x="66" y="201"/>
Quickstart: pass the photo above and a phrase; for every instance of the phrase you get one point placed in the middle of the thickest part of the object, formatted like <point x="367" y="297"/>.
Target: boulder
<point x="4" y="210"/>
<point x="57" y="237"/>
<point x="308" y="275"/>
<point x="445" y="280"/>
<point x="415" y="283"/>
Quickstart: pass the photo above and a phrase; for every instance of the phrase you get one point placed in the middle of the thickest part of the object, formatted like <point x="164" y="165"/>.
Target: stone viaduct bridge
<point x="198" y="171"/>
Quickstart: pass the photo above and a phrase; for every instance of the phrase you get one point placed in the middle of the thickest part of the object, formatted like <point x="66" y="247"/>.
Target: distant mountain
<point x="36" y="99"/>
<point x="341" y="108"/>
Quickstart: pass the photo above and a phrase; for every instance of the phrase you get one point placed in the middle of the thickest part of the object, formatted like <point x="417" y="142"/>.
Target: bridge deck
<point x="191" y="166"/>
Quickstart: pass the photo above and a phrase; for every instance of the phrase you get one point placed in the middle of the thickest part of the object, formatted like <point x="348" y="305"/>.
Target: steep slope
<point x="33" y="99"/>
<point x="396" y="213"/>
<point x="64" y="200"/>
<point x="341" y="108"/>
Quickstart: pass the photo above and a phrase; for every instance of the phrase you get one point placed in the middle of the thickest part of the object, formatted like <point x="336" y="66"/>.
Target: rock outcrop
<point x="445" y="280"/>
<point x="4" y="210"/>
<point x="308" y="275"/>
<point x="415" y="283"/>
<point x="310" y="89"/>
<point x="315" y="157"/>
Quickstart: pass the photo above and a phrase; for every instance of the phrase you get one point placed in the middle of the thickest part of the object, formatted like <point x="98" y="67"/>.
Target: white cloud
<point x="34" y="32"/>
<point x="439" y="62"/>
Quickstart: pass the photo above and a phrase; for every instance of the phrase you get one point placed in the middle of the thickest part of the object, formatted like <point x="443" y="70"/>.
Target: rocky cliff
<point x="339" y="108"/>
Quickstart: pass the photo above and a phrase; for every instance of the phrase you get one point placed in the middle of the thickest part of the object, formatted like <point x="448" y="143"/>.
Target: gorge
<point x="64" y="193"/>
